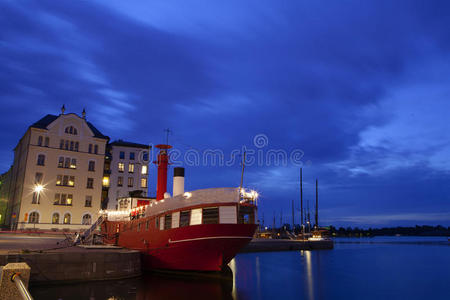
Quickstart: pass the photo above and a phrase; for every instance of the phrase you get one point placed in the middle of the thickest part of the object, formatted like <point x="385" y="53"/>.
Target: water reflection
<point x="150" y="286"/>
<point x="309" y="273"/>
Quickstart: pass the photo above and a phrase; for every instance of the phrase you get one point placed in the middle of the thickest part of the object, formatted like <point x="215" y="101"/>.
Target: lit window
<point x="73" y="164"/>
<point x="61" y="162"/>
<point x="131" y="168"/>
<point x="59" y="180"/>
<point x="144" y="182"/>
<point x="55" y="218"/>
<point x="121" y="167"/>
<point x="67" y="218"/>
<point x="71" y="181"/>
<point x="144" y="169"/>
<point x="119" y="181"/>
<point x="69" y="199"/>
<point x="105" y="181"/>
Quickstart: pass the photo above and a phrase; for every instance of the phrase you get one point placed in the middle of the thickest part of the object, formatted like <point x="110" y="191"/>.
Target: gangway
<point x="79" y="238"/>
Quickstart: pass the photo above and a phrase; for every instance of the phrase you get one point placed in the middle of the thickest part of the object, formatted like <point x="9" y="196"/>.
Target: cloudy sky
<point x="355" y="92"/>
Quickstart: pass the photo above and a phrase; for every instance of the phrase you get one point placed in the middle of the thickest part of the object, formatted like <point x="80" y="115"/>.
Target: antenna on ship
<point x="242" y="174"/>
<point x="167" y="131"/>
<point x="301" y="200"/>
<point x="317" y="204"/>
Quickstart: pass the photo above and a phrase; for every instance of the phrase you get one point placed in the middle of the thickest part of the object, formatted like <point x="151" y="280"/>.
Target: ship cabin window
<point x="147" y="225"/>
<point x="161" y="223"/>
<point x="157" y="222"/>
<point x="246" y="215"/>
<point x="210" y="215"/>
<point x="167" y="221"/>
<point x="185" y="216"/>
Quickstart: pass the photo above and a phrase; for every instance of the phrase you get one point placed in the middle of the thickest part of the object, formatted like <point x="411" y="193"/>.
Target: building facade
<point x="56" y="178"/>
<point x="128" y="165"/>
<point x="5" y="183"/>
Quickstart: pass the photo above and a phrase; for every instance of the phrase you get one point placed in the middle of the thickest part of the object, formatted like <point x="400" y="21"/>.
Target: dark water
<point x="376" y="268"/>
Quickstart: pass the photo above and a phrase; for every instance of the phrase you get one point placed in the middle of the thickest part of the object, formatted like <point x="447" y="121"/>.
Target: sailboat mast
<point x="317" y="204"/>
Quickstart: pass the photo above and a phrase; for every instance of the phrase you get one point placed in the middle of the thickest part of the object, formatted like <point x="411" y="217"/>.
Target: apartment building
<point x="57" y="174"/>
<point x="127" y="165"/>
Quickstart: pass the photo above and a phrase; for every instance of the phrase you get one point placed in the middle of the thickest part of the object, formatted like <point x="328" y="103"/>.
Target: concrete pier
<point x="8" y="288"/>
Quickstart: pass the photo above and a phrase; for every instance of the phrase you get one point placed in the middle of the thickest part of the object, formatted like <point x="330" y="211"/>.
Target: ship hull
<point x="205" y="247"/>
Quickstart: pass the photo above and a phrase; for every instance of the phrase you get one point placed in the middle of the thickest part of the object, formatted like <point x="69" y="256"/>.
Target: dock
<point x="268" y="245"/>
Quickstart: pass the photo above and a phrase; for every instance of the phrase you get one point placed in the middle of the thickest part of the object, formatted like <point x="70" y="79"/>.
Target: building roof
<point x="129" y="144"/>
<point x="45" y="121"/>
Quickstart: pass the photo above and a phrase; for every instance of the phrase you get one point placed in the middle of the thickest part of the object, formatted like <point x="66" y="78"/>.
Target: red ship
<point x="200" y="230"/>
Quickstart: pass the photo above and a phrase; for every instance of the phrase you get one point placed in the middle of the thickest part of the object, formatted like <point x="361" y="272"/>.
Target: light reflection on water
<point x="366" y="269"/>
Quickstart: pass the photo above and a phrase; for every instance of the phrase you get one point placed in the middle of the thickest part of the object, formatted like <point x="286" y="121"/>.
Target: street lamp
<point x="38" y="188"/>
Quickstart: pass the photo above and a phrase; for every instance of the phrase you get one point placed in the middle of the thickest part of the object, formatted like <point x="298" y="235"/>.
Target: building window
<point x="90" y="183"/>
<point x="65" y="180"/>
<point x="145" y="156"/>
<point x="130" y="181"/>
<point x="105" y="181"/>
<point x="61" y="144"/>
<point x="210" y="215"/>
<point x="61" y="162"/>
<point x="40" y="140"/>
<point x="144" y="170"/>
<point x="131" y="155"/>
<point x="130" y="168"/>
<point x="76" y="146"/>
<point x="88" y="201"/>
<point x="73" y="164"/>
<point x="91" y="166"/>
<point x="72" y="145"/>
<point x="143" y="182"/>
<point x="122" y="155"/>
<point x="35" y="199"/>
<point x="55" y="218"/>
<point x="67" y="162"/>
<point x="87" y="219"/>
<point x="167" y="221"/>
<point x="41" y="160"/>
<point x="63" y="199"/>
<point x="119" y="181"/>
<point x="47" y="141"/>
<point x="66" y="218"/>
<point x="185" y="216"/>
<point x="33" y="218"/>
<point x="121" y="166"/>
<point x="90" y="148"/>
<point x="95" y="149"/>
<point x="38" y="178"/>
<point x="71" y="130"/>
<point x="66" y="145"/>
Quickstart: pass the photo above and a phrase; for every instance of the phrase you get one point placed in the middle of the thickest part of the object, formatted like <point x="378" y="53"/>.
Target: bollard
<point x="14" y="281"/>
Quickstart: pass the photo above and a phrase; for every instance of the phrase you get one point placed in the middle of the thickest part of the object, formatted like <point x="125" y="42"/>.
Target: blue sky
<point x="361" y="88"/>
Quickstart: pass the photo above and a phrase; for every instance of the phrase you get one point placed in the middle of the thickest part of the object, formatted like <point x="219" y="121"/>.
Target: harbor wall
<point x="78" y="266"/>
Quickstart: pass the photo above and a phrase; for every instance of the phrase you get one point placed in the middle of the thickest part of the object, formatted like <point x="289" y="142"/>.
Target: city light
<point x="38" y="188"/>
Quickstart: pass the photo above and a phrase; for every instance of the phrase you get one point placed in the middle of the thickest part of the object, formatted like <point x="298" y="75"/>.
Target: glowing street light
<point x="38" y="188"/>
